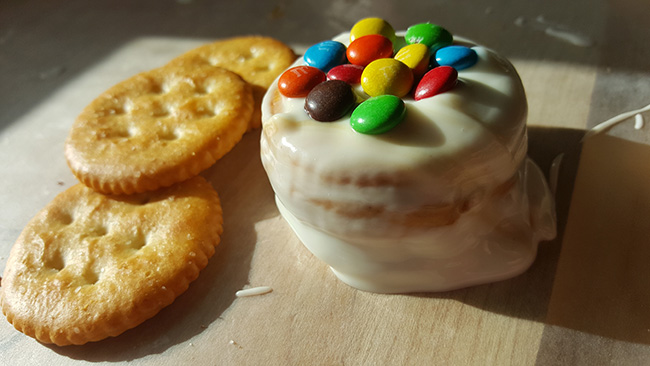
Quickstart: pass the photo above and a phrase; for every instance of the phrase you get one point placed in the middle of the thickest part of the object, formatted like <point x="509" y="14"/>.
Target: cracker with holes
<point x="158" y="128"/>
<point x="257" y="59"/>
<point x="90" y="266"/>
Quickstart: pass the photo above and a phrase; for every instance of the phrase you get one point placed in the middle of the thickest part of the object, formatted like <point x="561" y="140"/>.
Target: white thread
<point x="604" y="126"/>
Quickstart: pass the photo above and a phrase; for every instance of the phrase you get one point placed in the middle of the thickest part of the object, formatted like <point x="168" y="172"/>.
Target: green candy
<point x="378" y="114"/>
<point x="433" y="36"/>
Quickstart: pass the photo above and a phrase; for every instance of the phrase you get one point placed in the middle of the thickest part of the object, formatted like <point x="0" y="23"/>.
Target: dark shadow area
<point x="246" y="198"/>
<point x="527" y="295"/>
<point x="602" y="280"/>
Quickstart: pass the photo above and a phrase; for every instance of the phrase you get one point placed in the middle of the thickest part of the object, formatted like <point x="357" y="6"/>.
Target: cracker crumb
<point x="235" y="344"/>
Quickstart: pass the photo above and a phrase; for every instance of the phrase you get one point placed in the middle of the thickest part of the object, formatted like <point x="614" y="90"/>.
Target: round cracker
<point x="258" y="60"/>
<point x="158" y="128"/>
<point x="90" y="266"/>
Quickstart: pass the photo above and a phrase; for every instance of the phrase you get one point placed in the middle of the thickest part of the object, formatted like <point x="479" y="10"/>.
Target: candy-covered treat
<point x="406" y="170"/>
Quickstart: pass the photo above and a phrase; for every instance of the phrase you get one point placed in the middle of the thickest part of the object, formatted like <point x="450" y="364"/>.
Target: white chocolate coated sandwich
<point x="445" y="199"/>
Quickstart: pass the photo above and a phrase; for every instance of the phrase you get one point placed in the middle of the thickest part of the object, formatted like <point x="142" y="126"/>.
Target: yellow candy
<point x="368" y="26"/>
<point x="387" y="76"/>
<point x="415" y="56"/>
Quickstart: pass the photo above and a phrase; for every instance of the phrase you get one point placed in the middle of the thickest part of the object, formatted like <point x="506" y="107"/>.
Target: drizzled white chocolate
<point x="446" y="199"/>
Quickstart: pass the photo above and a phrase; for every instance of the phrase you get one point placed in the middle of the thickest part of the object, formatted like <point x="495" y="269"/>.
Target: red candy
<point x="368" y="48"/>
<point x="437" y="80"/>
<point x="349" y="73"/>
<point x="298" y="81"/>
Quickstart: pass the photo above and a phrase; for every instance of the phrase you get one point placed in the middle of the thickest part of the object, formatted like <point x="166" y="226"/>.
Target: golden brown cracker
<point x="257" y="59"/>
<point x="90" y="266"/>
<point x="158" y="128"/>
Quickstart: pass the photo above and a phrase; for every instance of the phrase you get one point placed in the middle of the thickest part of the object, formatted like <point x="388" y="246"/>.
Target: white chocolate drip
<point x="638" y="121"/>
<point x="253" y="291"/>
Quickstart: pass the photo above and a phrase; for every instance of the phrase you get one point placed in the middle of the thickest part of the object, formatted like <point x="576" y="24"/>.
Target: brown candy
<point x="330" y="101"/>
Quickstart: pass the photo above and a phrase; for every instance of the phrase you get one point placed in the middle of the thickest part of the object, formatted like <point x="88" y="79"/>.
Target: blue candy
<point x="325" y="55"/>
<point x="458" y="57"/>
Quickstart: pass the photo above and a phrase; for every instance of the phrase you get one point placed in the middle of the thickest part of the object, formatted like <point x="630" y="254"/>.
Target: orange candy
<point x="366" y="49"/>
<point x="298" y="81"/>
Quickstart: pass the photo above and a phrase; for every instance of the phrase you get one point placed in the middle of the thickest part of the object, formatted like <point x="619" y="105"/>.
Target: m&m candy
<point x="349" y="73"/>
<point x="369" y="48"/>
<point x="431" y="35"/>
<point x="458" y="57"/>
<point x="325" y="55"/>
<point x="385" y="66"/>
<point x="298" y="81"/>
<point x="416" y="57"/>
<point x="437" y="80"/>
<point x="378" y="114"/>
<point x="330" y="100"/>
<point x="387" y="76"/>
<point x="368" y="26"/>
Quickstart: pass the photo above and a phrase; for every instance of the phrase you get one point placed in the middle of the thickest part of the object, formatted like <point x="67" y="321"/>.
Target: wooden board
<point x="583" y="301"/>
